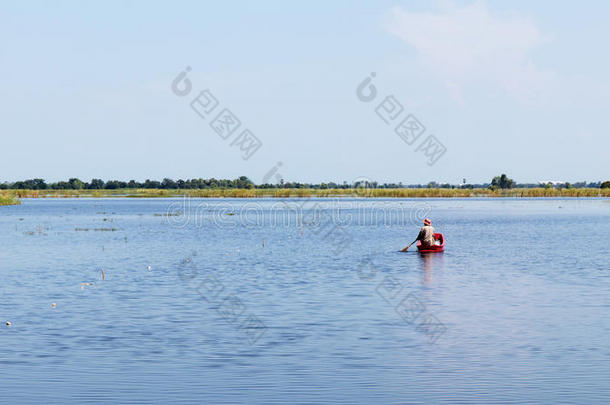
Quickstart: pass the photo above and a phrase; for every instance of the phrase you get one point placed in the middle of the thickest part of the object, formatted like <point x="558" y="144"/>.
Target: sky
<point x="91" y="90"/>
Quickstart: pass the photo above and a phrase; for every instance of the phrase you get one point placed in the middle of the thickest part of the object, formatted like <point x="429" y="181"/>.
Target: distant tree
<point x="61" y="185"/>
<point x="168" y="183"/>
<point x="76" y="184"/>
<point x="244" y="182"/>
<point x="33" y="184"/>
<point x="605" y="184"/>
<point x="96" y="184"/>
<point x="502" y="182"/>
<point x="151" y="184"/>
<point x="112" y="185"/>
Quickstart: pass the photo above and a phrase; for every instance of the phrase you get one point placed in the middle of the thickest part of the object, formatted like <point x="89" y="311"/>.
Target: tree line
<point x="243" y="182"/>
<point x="99" y="184"/>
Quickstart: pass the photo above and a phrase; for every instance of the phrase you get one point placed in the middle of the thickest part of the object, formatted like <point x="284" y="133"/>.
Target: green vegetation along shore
<point x="11" y="195"/>
<point x="8" y="200"/>
<point x="243" y="182"/>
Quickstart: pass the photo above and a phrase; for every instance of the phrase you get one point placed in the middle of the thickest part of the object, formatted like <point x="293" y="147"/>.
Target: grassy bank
<point x="11" y="195"/>
<point x="8" y="200"/>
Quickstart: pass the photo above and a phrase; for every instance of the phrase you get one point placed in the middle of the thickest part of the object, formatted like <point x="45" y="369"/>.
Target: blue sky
<point x="518" y="87"/>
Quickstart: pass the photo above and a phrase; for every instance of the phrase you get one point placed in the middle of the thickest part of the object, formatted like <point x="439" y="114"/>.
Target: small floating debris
<point x="54" y="305"/>
<point x="170" y="214"/>
<point x="103" y="275"/>
<point x="83" y="285"/>
<point x="149" y="268"/>
<point x="96" y="229"/>
<point x="8" y="323"/>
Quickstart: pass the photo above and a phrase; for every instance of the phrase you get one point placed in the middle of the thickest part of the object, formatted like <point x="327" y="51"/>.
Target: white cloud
<point x="471" y="45"/>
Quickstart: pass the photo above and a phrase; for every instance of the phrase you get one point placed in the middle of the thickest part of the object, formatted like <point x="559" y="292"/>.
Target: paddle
<point x="405" y="249"/>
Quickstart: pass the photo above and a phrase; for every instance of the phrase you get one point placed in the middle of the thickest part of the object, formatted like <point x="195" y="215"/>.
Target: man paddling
<point x="426" y="235"/>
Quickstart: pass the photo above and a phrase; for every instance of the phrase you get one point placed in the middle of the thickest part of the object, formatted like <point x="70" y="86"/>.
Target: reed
<point x="8" y="199"/>
<point x="11" y="196"/>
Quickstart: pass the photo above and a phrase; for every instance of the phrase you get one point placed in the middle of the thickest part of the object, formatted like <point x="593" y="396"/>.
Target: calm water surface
<point x="516" y="310"/>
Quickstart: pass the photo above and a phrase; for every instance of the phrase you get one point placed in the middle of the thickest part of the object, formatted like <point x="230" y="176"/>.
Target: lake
<point x="304" y="301"/>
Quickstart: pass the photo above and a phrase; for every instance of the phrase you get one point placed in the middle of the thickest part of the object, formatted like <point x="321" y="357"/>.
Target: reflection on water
<point x="197" y="308"/>
<point x="430" y="263"/>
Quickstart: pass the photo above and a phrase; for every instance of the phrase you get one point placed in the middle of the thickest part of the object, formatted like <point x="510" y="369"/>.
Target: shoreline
<point x="10" y="197"/>
<point x="8" y="200"/>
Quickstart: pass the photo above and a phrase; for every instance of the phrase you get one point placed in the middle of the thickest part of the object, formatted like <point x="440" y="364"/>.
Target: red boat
<point x="439" y="247"/>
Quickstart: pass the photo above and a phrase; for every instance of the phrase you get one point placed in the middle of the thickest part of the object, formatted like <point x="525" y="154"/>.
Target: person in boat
<point x="426" y="236"/>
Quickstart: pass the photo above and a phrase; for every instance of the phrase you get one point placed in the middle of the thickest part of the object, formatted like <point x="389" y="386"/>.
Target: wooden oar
<point x="405" y="249"/>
